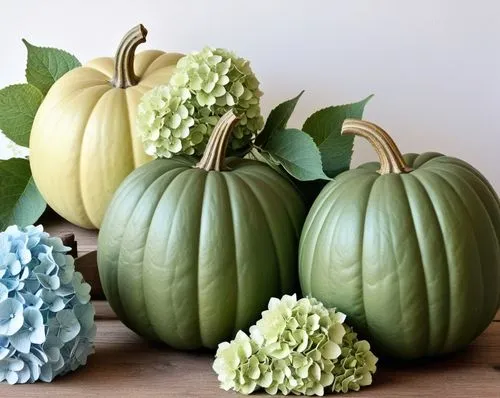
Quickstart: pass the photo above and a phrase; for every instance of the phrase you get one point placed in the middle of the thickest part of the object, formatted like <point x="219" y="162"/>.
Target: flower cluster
<point x="299" y="347"/>
<point x="179" y="117"/>
<point x="46" y="319"/>
<point x="357" y="364"/>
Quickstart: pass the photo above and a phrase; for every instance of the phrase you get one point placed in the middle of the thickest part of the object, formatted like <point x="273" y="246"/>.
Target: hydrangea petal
<point x="46" y="373"/>
<point x="11" y="377"/>
<point x="39" y="355"/>
<point x="66" y="325"/>
<point x="10" y="283"/>
<point x="237" y="90"/>
<point x="85" y="314"/>
<point x="4" y="292"/>
<point x="82" y="289"/>
<point x="11" y="316"/>
<point x="4" y="352"/>
<point x="51" y="282"/>
<point x="330" y="350"/>
<point x="56" y="244"/>
<point x="21" y="341"/>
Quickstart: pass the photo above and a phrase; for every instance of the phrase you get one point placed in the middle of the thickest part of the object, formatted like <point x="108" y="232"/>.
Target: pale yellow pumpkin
<point x="83" y="141"/>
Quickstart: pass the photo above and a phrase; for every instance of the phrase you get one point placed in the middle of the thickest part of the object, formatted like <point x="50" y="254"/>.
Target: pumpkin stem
<point x="124" y="59"/>
<point x="391" y="160"/>
<point x="214" y="155"/>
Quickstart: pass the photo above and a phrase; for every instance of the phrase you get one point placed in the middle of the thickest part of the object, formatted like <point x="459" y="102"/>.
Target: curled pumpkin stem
<point x="124" y="59"/>
<point x="390" y="157"/>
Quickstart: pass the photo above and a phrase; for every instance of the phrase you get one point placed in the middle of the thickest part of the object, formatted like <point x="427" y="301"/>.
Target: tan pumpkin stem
<point x="124" y="59"/>
<point x="215" y="152"/>
<point x="391" y="160"/>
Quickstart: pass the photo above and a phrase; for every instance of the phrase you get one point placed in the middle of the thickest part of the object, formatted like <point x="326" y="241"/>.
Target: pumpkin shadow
<point x="393" y="372"/>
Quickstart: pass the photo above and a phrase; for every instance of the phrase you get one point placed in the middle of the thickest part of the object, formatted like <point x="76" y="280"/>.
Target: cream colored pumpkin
<point x="83" y="141"/>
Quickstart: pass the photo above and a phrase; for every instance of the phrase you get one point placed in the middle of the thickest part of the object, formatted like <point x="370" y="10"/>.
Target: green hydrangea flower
<point x="239" y="365"/>
<point x="179" y="117"/>
<point x="164" y="118"/>
<point x="356" y="365"/>
<point x="298" y="347"/>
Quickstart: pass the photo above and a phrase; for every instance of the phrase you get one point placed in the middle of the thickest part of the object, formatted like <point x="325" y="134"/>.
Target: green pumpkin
<point x="189" y="254"/>
<point x="410" y="251"/>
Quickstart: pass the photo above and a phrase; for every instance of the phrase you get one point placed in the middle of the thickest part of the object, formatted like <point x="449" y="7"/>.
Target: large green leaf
<point x="20" y="202"/>
<point x="325" y="125"/>
<point x="297" y="153"/>
<point x="18" y="106"/>
<point x="46" y="65"/>
<point x="277" y="120"/>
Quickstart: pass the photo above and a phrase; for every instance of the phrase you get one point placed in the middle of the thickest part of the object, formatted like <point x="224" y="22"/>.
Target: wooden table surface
<point x="124" y="365"/>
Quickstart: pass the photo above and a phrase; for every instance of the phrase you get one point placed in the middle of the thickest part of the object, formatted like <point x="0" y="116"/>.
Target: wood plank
<point x="126" y="365"/>
<point x="103" y="310"/>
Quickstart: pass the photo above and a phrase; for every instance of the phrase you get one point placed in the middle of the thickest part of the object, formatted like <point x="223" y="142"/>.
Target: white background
<point x="434" y="66"/>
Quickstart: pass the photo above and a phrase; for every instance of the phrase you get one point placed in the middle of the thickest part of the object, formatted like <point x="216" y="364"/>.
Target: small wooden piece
<point x="103" y="311"/>
<point x="69" y="240"/>
<point x="87" y="265"/>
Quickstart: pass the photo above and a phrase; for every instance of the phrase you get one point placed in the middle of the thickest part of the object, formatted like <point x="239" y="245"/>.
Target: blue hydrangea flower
<point x="46" y="319"/>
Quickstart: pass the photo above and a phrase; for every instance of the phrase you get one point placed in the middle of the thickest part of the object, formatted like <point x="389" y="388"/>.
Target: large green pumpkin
<point x="189" y="254"/>
<point x="408" y="248"/>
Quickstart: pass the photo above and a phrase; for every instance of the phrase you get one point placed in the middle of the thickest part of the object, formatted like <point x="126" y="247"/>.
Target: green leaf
<point x="18" y="106"/>
<point x="277" y="120"/>
<point x="265" y="157"/>
<point x="20" y="201"/>
<point x="297" y="153"/>
<point x="325" y="125"/>
<point x="46" y="65"/>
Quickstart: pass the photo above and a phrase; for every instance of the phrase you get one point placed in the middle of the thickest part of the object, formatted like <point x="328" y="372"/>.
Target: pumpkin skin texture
<point x="83" y="141"/>
<point x="413" y="259"/>
<point x="189" y="256"/>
